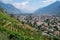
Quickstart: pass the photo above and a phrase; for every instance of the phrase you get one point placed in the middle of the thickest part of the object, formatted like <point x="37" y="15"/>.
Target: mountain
<point x="53" y="8"/>
<point x="9" y="8"/>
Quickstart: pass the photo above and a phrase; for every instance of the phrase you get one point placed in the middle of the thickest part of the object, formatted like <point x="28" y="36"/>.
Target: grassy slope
<point x="10" y="26"/>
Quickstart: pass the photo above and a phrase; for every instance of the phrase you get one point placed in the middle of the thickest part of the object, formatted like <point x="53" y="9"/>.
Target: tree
<point x="11" y="15"/>
<point x="39" y="27"/>
<point x="1" y="9"/>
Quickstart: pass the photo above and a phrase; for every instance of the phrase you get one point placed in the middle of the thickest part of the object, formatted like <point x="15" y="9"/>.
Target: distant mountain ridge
<point x="9" y="8"/>
<point x="50" y="9"/>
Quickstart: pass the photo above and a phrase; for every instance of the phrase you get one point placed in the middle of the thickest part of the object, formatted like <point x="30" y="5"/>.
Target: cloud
<point x="6" y="1"/>
<point x="21" y="5"/>
<point x="48" y="1"/>
<point x="24" y="3"/>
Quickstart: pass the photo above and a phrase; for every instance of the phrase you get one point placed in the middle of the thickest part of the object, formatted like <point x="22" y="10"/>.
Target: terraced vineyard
<point x="12" y="29"/>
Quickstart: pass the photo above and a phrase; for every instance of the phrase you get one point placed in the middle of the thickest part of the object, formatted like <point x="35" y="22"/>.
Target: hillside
<point x="12" y="29"/>
<point x="53" y="8"/>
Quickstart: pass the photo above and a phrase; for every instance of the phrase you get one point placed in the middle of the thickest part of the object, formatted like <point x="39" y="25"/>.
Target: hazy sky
<point x="29" y="5"/>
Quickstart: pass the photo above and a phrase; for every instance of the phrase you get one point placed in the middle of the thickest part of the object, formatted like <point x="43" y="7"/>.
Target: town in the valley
<point x="47" y="24"/>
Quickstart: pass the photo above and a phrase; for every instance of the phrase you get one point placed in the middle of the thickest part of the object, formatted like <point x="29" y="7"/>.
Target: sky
<point x="29" y="5"/>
